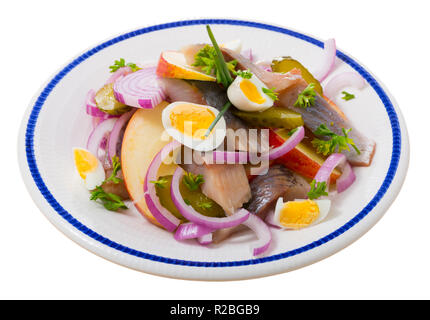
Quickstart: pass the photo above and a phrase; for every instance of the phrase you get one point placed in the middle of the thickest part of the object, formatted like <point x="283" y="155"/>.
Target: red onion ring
<point x="233" y="157"/>
<point x="161" y="214"/>
<point x="328" y="60"/>
<point x="270" y="220"/>
<point x="288" y="145"/>
<point x="191" y="230"/>
<point x="342" y="80"/>
<point x="139" y="89"/>
<point x="345" y="180"/>
<point x="116" y="131"/>
<point x="192" y="215"/>
<point x="247" y="53"/>
<point x="262" y="231"/>
<point x="121" y="72"/>
<point x="91" y="106"/>
<point x="205" y="239"/>
<point x="99" y="134"/>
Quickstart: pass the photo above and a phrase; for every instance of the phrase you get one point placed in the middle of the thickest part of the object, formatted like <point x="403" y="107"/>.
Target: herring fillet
<point x="226" y="184"/>
<point x="324" y="112"/>
<point x="266" y="189"/>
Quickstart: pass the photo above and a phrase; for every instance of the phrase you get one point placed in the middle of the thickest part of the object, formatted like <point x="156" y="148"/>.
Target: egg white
<point x="215" y="139"/>
<point x="94" y="177"/>
<point x="323" y="206"/>
<point x="239" y="99"/>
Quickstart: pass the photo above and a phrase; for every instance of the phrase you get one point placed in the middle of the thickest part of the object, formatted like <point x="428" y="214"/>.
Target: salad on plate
<point x="208" y="141"/>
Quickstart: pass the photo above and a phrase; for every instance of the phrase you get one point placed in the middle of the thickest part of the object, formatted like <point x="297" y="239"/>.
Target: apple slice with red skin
<point x="173" y="64"/>
<point x="143" y="138"/>
<point x="303" y="159"/>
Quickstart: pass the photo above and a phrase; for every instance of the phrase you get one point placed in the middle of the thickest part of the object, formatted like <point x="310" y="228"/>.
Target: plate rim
<point x="400" y="144"/>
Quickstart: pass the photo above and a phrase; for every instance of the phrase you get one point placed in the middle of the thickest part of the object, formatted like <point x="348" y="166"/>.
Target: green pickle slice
<point x="106" y="102"/>
<point x="196" y="199"/>
<point x="275" y="117"/>
<point x="286" y="64"/>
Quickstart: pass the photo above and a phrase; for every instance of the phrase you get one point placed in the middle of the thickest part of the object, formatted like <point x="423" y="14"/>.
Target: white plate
<point x="55" y="122"/>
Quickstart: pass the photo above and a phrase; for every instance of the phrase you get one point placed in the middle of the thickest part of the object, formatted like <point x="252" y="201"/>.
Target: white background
<point x="391" y="261"/>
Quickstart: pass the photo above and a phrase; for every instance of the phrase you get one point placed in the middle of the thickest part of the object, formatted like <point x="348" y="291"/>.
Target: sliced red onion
<point x="333" y="161"/>
<point x="161" y="214"/>
<point x="270" y="220"/>
<point x="232" y="157"/>
<point x="91" y="107"/>
<point x="247" y="53"/>
<point x="288" y="145"/>
<point x="139" y="89"/>
<point x="342" y="80"/>
<point x="191" y="230"/>
<point x="114" y="136"/>
<point x="328" y="60"/>
<point x="121" y="72"/>
<point x="99" y="134"/>
<point x="262" y="231"/>
<point x="192" y="215"/>
<point x="205" y="239"/>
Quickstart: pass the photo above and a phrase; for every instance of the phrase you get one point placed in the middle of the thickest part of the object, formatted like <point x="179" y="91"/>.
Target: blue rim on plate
<point x="31" y="124"/>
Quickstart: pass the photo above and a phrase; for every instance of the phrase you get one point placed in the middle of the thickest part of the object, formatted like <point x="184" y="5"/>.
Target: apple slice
<point x="303" y="159"/>
<point x="143" y="138"/>
<point x="172" y="64"/>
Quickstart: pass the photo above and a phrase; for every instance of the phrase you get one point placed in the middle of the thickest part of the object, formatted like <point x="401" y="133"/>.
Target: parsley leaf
<point x="317" y="190"/>
<point x="187" y="202"/>
<point x="271" y="93"/>
<point x="193" y="181"/>
<point x="327" y="147"/>
<point x="160" y="183"/>
<point x="121" y="63"/>
<point x="116" y="165"/>
<point x="245" y="74"/>
<point x="207" y="59"/>
<point x="110" y="201"/>
<point x="290" y="133"/>
<point x="347" y="96"/>
<point x="205" y="205"/>
<point x="307" y="97"/>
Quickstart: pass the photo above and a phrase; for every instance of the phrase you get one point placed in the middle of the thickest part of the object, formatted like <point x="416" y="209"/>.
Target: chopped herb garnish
<point x="121" y="63"/>
<point x="187" y="202"/>
<point x="327" y="147"/>
<point x="207" y="58"/>
<point x="245" y="74"/>
<point x="317" y="190"/>
<point x="292" y="132"/>
<point x="271" y="93"/>
<point x="160" y="183"/>
<point x="110" y="201"/>
<point x="193" y="181"/>
<point x="307" y="97"/>
<point x="116" y="166"/>
<point x="347" y="96"/>
<point x="205" y="205"/>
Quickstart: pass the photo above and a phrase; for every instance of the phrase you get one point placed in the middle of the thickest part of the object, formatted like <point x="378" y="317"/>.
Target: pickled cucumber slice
<point x="285" y="64"/>
<point x="275" y="117"/>
<point x="106" y="102"/>
<point x="196" y="199"/>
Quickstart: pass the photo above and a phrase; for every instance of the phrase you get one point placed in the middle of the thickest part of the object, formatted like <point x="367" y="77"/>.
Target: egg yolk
<point x="85" y="162"/>
<point x="191" y="120"/>
<point x="251" y="92"/>
<point x="298" y="214"/>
